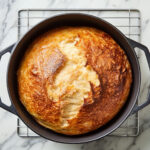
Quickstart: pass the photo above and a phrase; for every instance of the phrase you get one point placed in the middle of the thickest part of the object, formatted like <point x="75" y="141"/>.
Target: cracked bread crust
<point x="74" y="80"/>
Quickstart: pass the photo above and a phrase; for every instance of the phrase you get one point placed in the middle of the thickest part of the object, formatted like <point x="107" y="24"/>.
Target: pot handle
<point x="147" y="54"/>
<point x="11" y="108"/>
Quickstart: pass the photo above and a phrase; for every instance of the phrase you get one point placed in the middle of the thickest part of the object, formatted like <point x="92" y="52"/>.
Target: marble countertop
<point x="9" y="140"/>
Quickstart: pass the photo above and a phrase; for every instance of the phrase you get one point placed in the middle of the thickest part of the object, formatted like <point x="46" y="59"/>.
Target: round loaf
<point x="74" y="80"/>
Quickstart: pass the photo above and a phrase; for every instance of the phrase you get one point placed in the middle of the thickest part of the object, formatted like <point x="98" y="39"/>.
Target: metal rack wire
<point x="128" y="21"/>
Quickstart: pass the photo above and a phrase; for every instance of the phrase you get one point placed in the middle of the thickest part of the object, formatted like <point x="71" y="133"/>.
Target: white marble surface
<point x="8" y="35"/>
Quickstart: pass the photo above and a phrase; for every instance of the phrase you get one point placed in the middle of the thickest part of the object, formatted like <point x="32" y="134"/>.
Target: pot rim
<point x="115" y="125"/>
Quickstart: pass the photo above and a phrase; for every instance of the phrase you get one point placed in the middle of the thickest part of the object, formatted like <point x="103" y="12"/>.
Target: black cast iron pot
<point x="19" y="49"/>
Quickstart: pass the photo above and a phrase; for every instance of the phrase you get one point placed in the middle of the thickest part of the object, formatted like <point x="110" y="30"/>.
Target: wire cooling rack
<point x="128" y="21"/>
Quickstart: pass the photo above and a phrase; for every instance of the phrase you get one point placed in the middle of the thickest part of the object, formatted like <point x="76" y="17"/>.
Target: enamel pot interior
<point x="71" y="20"/>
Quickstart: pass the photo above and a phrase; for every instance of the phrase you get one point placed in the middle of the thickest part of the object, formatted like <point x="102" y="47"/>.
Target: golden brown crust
<point x="45" y="60"/>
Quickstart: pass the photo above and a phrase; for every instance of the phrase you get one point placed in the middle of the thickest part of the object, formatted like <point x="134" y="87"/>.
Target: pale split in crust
<point x="74" y="80"/>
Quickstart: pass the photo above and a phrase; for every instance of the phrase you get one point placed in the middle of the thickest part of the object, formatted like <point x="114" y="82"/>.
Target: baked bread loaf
<point x="73" y="80"/>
